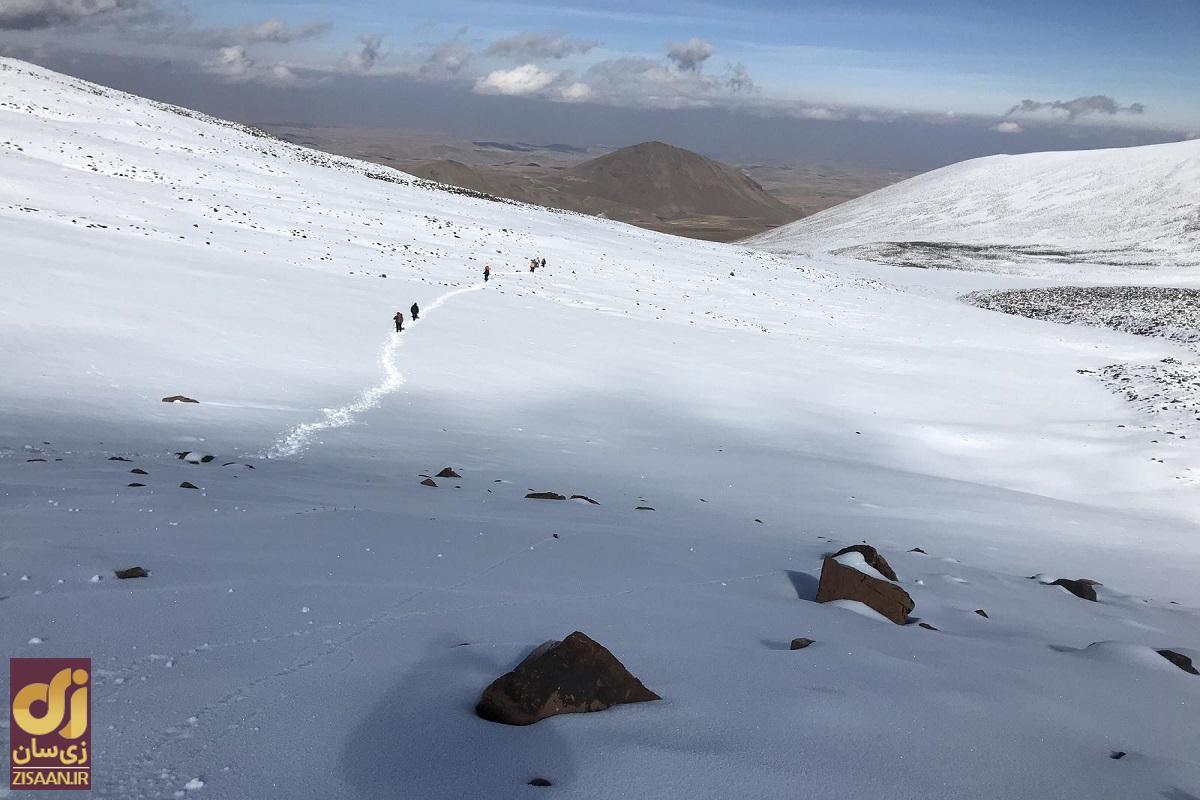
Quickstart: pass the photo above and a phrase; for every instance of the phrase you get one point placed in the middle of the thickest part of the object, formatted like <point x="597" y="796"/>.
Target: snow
<point x="855" y="560"/>
<point x="149" y="253"/>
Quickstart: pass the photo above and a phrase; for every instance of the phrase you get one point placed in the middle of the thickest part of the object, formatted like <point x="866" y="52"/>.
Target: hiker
<point x="487" y="272"/>
<point x="543" y="264"/>
<point x="399" y="320"/>
<point x="416" y="312"/>
<point x="533" y="264"/>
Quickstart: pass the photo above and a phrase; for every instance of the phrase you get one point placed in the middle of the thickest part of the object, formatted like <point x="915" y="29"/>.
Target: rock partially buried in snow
<point x="846" y="579"/>
<point x="447" y="472"/>
<point x="872" y="557"/>
<point x="799" y="644"/>
<point x="1179" y="660"/>
<point x="188" y="485"/>
<point x="132" y="572"/>
<point x="585" y="498"/>
<point x="576" y="675"/>
<point x="545" y="496"/>
<point x="178" y="398"/>
<point x="1082" y="587"/>
<point x="429" y="482"/>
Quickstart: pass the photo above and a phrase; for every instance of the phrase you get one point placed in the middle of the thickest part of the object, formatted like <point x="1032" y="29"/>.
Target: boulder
<point x="1179" y="660"/>
<point x="1083" y="587"/>
<point x="981" y="613"/>
<point x="178" y="398"/>
<point x="576" y="675"/>
<point x="132" y="572"/>
<point x="545" y="496"/>
<point x="429" y="482"/>
<point x="840" y="582"/>
<point x="872" y="556"/>
<point x="799" y="644"/>
<point x="188" y="485"/>
<point x="447" y="472"/>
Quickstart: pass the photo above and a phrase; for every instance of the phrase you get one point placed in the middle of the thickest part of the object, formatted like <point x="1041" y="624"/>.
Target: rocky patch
<point x="545" y="496"/>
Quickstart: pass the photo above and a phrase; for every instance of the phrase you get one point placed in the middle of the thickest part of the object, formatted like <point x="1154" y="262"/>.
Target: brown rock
<point x="132" y="572"/>
<point x="576" y="675"/>
<point x="1083" y="588"/>
<point x="799" y="644"/>
<point x="1179" y="660"/>
<point x="839" y="582"/>
<point x="429" y="482"/>
<point x="447" y="473"/>
<point x="545" y="496"/>
<point x="178" y="398"/>
<point x="873" y="558"/>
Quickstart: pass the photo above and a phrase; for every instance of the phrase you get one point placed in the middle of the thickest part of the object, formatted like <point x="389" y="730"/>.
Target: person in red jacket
<point x="399" y="320"/>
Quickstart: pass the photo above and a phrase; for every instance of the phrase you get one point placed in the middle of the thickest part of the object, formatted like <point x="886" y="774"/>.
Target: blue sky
<point x="968" y="56"/>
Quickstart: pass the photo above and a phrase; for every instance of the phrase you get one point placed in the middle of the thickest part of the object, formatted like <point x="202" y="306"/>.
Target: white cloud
<point x="539" y="45"/>
<point x="37" y="14"/>
<point x="522" y="80"/>
<point x="235" y="65"/>
<point x="690" y="55"/>
<point x="576" y="92"/>
<point x="1008" y="127"/>
<point x="370" y="46"/>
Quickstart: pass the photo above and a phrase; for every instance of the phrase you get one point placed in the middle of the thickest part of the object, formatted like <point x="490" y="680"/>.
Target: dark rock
<point x="429" y="482"/>
<point x="206" y="459"/>
<point x="644" y="508"/>
<point x="188" y="485"/>
<point x="799" y="644"/>
<point x="132" y="572"/>
<point x="981" y="613"/>
<point x="132" y="485"/>
<point x="117" y="458"/>
<point x="447" y="473"/>
<point x="918" y="550"/>
<point x="139" y="471"/>
<point x="540" y="782"/>
<point x="576" y="675"/>
<point x="584" y="497"/>
<point x="178" y="398"/>
<point x="926" y="626"/>
<point x="545" y="496"/>
<point x="28" y="460"/>
<point x="873" y="558"/>
<point x="839" y="582"/>
<point x="1117" y="755"/>
<point x="182" y="454"/>
<point x="1080" y="588"/>
<point x="1179" y="660"/>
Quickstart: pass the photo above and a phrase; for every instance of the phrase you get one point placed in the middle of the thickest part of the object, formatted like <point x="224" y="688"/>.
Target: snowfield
<point x="318" y="624"/>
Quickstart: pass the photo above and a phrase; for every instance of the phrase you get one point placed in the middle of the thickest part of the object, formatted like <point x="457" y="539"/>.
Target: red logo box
<point x="50" y="731"/>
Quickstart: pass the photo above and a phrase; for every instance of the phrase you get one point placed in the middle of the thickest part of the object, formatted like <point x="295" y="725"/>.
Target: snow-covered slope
<point x="1133" y="206"/>
<point x="318" y="624"/>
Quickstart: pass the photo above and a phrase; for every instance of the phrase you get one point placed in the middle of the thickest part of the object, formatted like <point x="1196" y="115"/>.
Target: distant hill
<point x="653" y="184"/>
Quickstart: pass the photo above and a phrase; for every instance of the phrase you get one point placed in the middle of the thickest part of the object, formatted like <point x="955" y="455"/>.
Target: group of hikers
<point x="415" y="310"/>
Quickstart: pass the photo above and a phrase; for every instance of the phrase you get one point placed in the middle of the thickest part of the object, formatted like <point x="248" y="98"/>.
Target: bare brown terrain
<point x="652" y="185"/>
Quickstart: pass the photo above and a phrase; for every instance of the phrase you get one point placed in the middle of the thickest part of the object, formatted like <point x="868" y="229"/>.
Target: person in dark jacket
<point x="399" y="320"/>
<point x="487" y="272"/>
<point x="543" y="264"/>
<point x="416" y="312"/>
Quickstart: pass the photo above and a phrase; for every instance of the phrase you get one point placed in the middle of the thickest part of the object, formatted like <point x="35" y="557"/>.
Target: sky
<point x="907" y="79"/>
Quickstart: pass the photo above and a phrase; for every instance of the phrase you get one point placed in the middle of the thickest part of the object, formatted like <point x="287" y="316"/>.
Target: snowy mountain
<point x="1136" y="206"/>
<point x="319" y="622"/>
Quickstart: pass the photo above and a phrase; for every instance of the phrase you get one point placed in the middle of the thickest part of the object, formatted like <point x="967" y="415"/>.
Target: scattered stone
<point x="644" y="508"/>
<point x="576" y="675"/>
<point x="132" y="485"/>
<point x="429" y="482"/>
<point x="188" y="485"/>
<point x="28" y="460"/>
<point x="1179" y="660"/>
<point x="132" y="572"/>
<point x="1117" y="755"/>
<point x="118" y="458"/>
<point x="545" y="496"/>
<point x="1082" y="588"/>
<point x="139" y="471"/>
<point x="540" y="782"/>
<point x="926" y="626"/>
<point x="839" y="582"/>
<point x="799" y="644"/>
<point x="206" y="459"/>
<point x="447" y="473"/>
<point x="982" y="613"/>
<point x="873" y="558"/>
<point x="759" y="521"/>
<point x="918" y="550"/>
<point x="178" y="398"/>
<point x="584" y="497"/>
